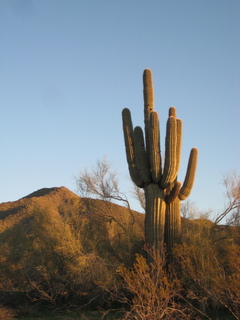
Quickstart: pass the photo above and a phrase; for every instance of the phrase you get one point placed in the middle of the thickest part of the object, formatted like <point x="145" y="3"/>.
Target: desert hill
<point x="54" y="243"/>
<point x="12" y="213"/>
<point x="58" y="201"/>
<point x="57" y="215"/>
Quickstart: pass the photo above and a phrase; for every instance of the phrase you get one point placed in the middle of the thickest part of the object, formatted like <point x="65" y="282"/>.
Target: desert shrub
<point x="153" y="294"/>
<point x="208" y="265"/>
<point x="6" y="313"/>
<point x="203" y="280"/>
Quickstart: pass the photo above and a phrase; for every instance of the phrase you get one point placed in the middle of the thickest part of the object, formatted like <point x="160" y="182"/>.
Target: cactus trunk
<point x="172" y="226"/>
<point x="155" y="216"/>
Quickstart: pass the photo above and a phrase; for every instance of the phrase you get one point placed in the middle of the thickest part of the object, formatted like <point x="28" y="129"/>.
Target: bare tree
<point x="189" y="210"/>
<point x="101" y="183"/>
<point x="138" y="194"/>
<point x="231" y="182"/>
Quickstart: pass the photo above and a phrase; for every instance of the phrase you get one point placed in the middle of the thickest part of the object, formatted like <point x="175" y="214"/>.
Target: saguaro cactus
<point x="159" y="180"/>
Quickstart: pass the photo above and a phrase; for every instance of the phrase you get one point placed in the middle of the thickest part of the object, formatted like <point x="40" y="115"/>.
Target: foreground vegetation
<point x="81" y="258"/>
<point x="8" y="314"/>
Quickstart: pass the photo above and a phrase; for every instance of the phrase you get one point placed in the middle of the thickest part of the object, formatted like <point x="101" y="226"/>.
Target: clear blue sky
<point x="68" y="68"/>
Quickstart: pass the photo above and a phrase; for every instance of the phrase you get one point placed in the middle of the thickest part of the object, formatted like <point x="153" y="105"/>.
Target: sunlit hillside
<point x="56" y="245"/>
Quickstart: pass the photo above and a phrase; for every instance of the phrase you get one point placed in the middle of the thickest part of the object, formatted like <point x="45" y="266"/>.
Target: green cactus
<point x="163" y="192"/>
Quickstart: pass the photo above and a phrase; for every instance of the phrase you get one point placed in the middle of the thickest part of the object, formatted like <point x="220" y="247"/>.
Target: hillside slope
<point x="59" y="201"/>
<point x="55" y="243"/>
<point x="12" y="213"/>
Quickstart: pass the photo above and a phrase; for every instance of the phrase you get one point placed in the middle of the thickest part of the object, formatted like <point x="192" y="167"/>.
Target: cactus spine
<point x="163" y="192"/>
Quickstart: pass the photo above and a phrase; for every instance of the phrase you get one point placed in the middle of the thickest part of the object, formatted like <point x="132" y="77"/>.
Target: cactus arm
<point x="172" y="195"/>
<point x="154" y="152"/>
<point x="179" y="144"/>
<point x="169" y="173"/>
<point x="190" y="175"/>
<point x="129" y="145"/>
<point x="141" y="156"/>
<point x="148" y="95"/>
<point x="172" y="112"/>
<point x="148" y="92"/>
